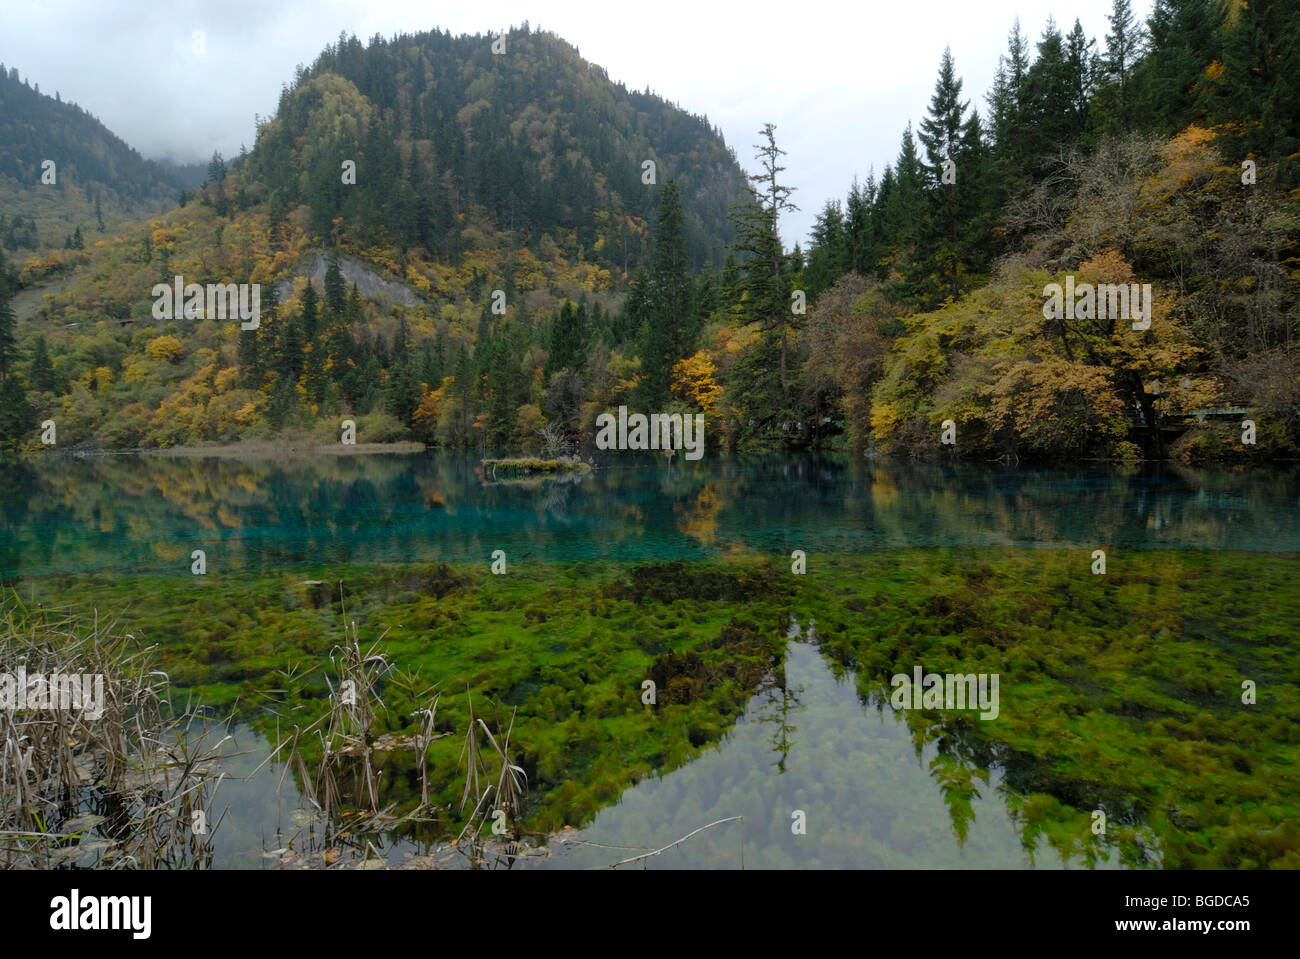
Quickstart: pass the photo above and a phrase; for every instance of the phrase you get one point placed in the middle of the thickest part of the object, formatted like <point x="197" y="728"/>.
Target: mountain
<point x="450" y="234"/>
<point x="99" y="181"/>
<point x="446" y="135"/>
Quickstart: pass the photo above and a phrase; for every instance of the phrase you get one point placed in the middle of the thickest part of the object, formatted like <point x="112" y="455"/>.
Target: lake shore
<point x="277" y="449"/>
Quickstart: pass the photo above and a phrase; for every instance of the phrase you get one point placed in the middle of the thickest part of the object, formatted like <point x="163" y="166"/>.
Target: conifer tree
<point x="670" y="307"/>
<point x="1123" y="48"/>
<point x="335" y="288"/>
<point x="766" y="294"/>
<point x="310" y="311"/>
<point x="41" y="373"/>
<point x="8" y="326"/>
<point x="941" y="133"/>
<point x="1049" y="115"/>
<point x="1185" y="38"/>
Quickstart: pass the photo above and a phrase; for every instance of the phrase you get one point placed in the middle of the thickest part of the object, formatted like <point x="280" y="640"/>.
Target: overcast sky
<point x="839" y="79"/>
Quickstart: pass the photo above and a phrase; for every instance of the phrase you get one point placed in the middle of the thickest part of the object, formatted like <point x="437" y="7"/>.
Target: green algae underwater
<point x="1120" y="693"/>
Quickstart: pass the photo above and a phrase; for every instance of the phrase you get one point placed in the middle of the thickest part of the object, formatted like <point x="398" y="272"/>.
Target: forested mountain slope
<point x="96" y="183"/>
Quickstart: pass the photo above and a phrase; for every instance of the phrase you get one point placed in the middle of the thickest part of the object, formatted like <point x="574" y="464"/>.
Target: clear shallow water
<point x="853" y="769"/>
<point x="869" y="800"/>
<point x="146" y="514"/>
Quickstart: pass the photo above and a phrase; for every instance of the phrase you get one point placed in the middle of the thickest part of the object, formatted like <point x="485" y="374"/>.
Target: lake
<point x="874" y="790"/>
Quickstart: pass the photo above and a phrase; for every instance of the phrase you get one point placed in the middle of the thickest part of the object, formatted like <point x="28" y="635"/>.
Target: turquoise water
<point x="870" y="799"/>
<point x="146" y="514"/>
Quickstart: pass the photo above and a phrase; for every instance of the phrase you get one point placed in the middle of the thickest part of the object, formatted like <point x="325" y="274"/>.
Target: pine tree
<point x="828" y="257"/>
<point x="1123" y="48"/>
<point x="1049" y="114"/>
<point x="41" y="373"/>
<point x="670" y="308"/>
<point x="568" y="344"/>
<point x="1185" y="39"/>
<point x="1258" y="97"/>
<point x="635" y="317"/>
<point x="216" y="168"/>
<point x="861" y="240"/>
<point x="1007" y="111"/>
<point x="335" y="288"/>
<point x="314" y="378"/>
<point x="902" y="199"/>
<point x="757" y="223"/>
<point x="310" y="311"/>
<point x="288" y="363"/>
<point x="403" y="388"/>
<point x="1083" y="63"/>
<point x="941" y="133"/>
<point x="8" y="329"/>
<point x="16" y="414"/>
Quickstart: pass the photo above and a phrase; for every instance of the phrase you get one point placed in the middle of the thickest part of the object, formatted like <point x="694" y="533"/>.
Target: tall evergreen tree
<point x="16" y="414"/>
<point x="902" y="196"/>
<point x="941" y="133"/>
<point x="1185" y="39"/>
<point x="310" y="311"/>
<point x="766" y="294"/>
<point x="41" y="373"/>
<point x="670" y="310"/>
<point x="403" y="382"/>
<point x="1084" y="69"/>
<point x="1049" y="115"/>
<point x="1007" y="109"/>
<point x="1257" y="100"/>
<point x="634" y="318"/>
<point x="861" y="241"/>
<point x="1123" y="48"/>
<point x="335" y="289"/>
<point x="828" y="256"/>
<point x="568" y="345"/>
<point x="8" y="328"/>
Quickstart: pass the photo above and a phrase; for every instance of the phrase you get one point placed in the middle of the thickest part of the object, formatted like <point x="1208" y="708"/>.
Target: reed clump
<point x="116" y="780"/>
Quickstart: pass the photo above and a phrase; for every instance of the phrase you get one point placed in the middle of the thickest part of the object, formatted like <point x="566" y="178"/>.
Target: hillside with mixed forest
<point x="463" y="247"/>
<point x="96" y="182"/>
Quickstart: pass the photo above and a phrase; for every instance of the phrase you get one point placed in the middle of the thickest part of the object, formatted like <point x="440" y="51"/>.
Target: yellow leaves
<point x="162" y="239"/>
<point x="738" y="339"/>
<point x="1107" y="266"/>
<point x="1188" y="157"/>
<point x="227" y="379"/>
<point x="103" y="378"/>
<point x="418" y="280"/>
<point x="137" y="368"/>
<point x="693" y="379"/>
<point x="165" y="347"/>
<point x="884" y="420"/>
<point x="425" y="418"/>
<point x="528" y="421"/>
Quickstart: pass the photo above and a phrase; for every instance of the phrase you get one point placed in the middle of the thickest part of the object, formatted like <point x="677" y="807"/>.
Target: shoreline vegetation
<point x="275" y="449"/>
<point x="523" y="463"/>
<point x="532" y="466"/>
<point x="1121" y="693"/>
